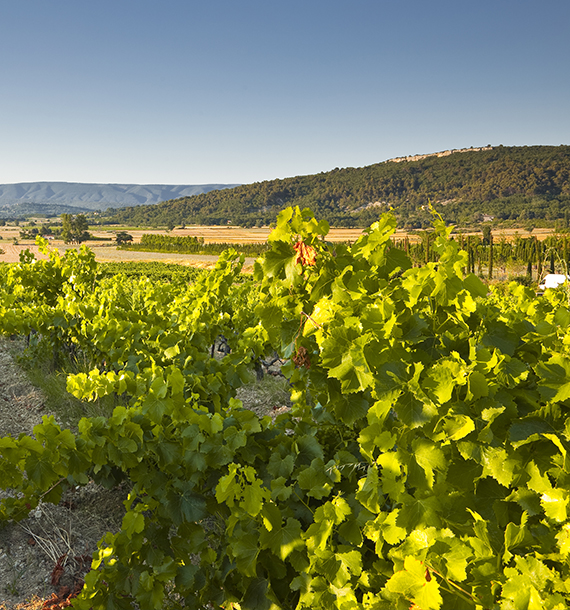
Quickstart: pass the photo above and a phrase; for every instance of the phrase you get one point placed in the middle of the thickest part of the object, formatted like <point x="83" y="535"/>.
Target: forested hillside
<point x="511" y="184"/>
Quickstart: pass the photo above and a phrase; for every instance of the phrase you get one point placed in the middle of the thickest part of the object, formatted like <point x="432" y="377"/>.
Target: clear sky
<point x="237" y="91"/>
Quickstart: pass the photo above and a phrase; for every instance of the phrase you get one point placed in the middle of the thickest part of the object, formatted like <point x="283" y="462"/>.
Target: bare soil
<point x="44" y="558"/>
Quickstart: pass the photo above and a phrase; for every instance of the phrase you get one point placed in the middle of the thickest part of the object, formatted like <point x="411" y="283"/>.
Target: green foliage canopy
<point x="424" y="462"/>
<point x="74" y="229"/>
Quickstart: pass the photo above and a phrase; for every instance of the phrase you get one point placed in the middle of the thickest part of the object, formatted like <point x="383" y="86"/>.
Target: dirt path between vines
<point x="33" y="551"/>
<point x="45" y="556"/>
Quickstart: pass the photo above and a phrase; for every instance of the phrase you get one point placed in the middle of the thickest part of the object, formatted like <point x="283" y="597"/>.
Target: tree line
<point x="190" y="245"/>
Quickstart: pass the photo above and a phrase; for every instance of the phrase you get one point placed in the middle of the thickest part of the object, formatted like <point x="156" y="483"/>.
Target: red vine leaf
<point x="306" y="255"/>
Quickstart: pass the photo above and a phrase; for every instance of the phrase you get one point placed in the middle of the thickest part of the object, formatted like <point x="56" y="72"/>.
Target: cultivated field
<point x="106" y="252"/>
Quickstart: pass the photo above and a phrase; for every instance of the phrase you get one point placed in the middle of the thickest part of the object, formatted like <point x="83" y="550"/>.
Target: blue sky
<point x="228" y="91"/>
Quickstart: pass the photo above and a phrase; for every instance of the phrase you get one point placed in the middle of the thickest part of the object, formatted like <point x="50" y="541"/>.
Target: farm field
<point x="110" y="254"/>
<point x="227" y="234"/>
<point x="236" y="235"/>
<point x="105" y="252"/>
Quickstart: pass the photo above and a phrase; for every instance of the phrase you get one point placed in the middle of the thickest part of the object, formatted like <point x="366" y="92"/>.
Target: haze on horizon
<point x="185" y="92"/>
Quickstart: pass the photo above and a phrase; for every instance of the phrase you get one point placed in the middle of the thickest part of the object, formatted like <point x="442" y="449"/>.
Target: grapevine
<point x="424" y="462"/>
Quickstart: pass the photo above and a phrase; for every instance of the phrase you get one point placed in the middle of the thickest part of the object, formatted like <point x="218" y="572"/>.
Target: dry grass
<point x="105" y="251"/>
<point x="35" y="603"/>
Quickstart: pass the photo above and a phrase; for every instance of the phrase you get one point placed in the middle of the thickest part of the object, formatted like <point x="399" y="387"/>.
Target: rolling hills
<point x="528" y="184"/>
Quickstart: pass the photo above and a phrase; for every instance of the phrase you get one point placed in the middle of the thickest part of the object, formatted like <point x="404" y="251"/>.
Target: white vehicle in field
<point x="552" y="280"/>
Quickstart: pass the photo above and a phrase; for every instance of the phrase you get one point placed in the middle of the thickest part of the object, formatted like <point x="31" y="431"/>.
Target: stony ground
<point x="48" y="553"/>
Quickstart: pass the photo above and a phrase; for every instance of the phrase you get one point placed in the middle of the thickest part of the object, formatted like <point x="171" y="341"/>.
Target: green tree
<point x="28" y="233"/>
<point x="74" y="230"/>
<point x="487" y="235"/>
<point x="123" y="237"/>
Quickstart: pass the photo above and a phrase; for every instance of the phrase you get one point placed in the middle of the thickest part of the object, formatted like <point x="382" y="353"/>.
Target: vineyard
<point x="151" y="242"/>
<point x="486" y="256"/>
<point x="155" y="271"/>
<point x="424" y="463"/>
<point x="490" y="257"/>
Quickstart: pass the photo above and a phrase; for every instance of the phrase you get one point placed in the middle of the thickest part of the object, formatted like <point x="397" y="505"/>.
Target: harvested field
<point x="106" y="252"/>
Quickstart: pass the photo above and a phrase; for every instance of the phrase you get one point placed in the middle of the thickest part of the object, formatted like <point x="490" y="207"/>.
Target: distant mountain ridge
<point x="86" y="196"/>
